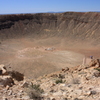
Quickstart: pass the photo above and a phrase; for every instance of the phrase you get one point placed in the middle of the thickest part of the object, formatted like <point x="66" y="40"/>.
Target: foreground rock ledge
<point x="78" y="83"/>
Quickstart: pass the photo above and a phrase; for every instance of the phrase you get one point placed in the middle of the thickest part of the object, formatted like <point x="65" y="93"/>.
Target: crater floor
<point x="33" y="59"/>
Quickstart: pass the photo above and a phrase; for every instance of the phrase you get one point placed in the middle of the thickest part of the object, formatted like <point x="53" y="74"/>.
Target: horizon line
<point x="46" y="12"/>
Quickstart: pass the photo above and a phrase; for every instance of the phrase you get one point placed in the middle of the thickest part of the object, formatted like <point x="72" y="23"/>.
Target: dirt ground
<point x="34" y="57"/>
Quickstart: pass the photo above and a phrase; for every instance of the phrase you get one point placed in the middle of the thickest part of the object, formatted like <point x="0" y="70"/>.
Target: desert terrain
<point x="39" y="44"/>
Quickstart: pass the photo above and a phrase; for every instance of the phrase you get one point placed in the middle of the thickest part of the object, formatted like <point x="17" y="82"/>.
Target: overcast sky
<point x="35" y="6"/>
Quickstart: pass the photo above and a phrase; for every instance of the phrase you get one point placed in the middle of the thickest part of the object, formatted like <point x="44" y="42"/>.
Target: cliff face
<point x="74" y="25"/>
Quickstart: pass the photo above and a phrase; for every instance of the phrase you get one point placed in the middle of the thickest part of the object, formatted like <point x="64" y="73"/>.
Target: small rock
<point x="10" y="92"/>
<point x="19" y="94"/>
<point x="88" y="77"/>
<point x="7" y="87"/>
<point x="59" y="93"/>
<point x="25" y="84"/>
<point x="21" y="91"/>
<point x="69" y="85"/>
<point x="65" y="69"/>
<point x="63" y="85"/>
<point x="54" y="75"/>
<point x="26" y="97"/>
<point x="93" y="92"/>
<point x="81" y="97"/>
<point x="45" y="94"/>
<point x="76" y="99"/>
<point x="87" y="93"/>
<point x="96" y="73"/>
<point x="14" y="95"/>
<point x="53" y="99"/>
<point x="79" y="92"/>
<point x="4" y="98"/>
<point x="48" y="99"/>
<point x="65" y="99"/>
<point x="64" y="93"/>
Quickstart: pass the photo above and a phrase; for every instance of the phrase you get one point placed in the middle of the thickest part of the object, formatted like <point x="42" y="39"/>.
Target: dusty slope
<point x="24" y="38"/>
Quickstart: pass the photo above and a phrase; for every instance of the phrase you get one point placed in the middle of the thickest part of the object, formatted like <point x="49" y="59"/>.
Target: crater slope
<point x="38" y="44"/>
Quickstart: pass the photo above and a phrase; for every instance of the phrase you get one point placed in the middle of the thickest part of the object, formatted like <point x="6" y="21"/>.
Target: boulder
<point x="6" y="81"/>
<point x="65" y="69"/>
<point x="25" y="84"/>
<point x="94" y="62"/>
<point x="3" y="69"/>
<point x="96" y="73"/>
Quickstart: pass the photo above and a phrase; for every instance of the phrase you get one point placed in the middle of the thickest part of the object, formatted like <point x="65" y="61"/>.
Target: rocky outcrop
<point x="11" y="85"/>
<point x="78" y="83"/>
<point x="5" y="78"/>
<point x="3" y="69"/>
<point x="94" y="62"/>
<point x="6" y="81"/>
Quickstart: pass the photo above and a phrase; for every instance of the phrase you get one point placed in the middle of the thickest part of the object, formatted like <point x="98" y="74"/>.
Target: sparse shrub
<point x="33" y="94"/>
<point x="34" y="91"/>
<point x="59" y="81"/>
<point x="97" y="69"/>
<point x="37" y="88"/>
<point x="61" y="76"/>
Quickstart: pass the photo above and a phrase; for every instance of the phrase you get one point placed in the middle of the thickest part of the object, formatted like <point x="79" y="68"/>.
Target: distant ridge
<point x="56" y="12"/>
<point x="75" y="25"/>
